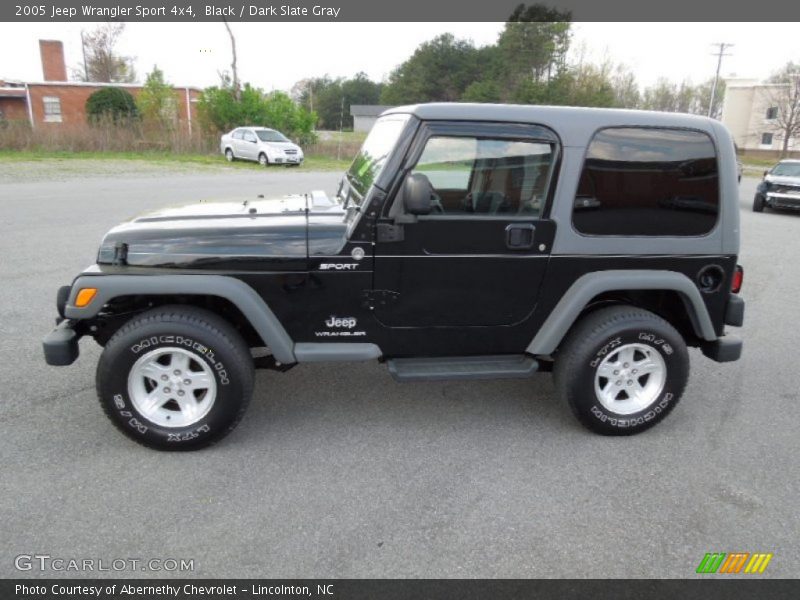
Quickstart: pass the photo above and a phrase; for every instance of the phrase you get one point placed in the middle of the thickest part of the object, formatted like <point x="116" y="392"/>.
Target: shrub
<point x="220" y="112"/>
<point x="111" y="103"/>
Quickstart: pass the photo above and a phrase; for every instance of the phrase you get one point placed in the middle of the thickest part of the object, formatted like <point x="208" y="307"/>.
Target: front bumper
<point x="61" y="345"/>
<point x="288" y="160"/>
<point x="783" y="200"/>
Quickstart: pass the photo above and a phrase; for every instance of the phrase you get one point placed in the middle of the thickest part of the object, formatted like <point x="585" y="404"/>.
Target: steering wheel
<point x="436" y="203"/>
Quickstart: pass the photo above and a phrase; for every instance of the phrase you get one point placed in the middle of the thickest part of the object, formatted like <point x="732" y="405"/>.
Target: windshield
<point x="369" y="161"/>
<point x="268" y="135"/>
<point x="787" y="169"/>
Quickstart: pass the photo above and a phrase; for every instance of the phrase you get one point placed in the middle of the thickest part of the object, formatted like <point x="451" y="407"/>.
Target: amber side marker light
<point x="85" y="296"/>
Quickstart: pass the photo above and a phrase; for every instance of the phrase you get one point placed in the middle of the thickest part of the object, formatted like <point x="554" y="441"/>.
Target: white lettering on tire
<point x="180" y="340"/>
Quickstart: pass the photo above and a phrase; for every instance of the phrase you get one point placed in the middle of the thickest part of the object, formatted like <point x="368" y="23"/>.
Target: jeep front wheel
<point x="621" y="370"/>
<point x="175" y="378"/>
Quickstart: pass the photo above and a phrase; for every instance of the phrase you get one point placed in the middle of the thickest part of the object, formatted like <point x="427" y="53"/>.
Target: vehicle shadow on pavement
<point x="365" y="397"/>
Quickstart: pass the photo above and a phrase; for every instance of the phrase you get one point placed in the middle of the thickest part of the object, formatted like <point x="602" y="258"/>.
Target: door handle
<point x="519" y="236"/>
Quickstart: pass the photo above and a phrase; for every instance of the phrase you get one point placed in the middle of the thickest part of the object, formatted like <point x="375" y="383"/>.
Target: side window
<point x="648" y="182"/>
<point x="52" y="109"/>
<point x="487" y="177"/>
<point x="249" y="136"/>
<point x="237" y="135"/>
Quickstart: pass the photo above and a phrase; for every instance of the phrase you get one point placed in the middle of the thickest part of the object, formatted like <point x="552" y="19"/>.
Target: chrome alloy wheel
<point x="172" y="387"/>
<point x="630" y="378"/>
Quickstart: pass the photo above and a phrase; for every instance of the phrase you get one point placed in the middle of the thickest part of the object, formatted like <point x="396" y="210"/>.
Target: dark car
<point x="780" y="187"/>
<point x="466" y="241"/>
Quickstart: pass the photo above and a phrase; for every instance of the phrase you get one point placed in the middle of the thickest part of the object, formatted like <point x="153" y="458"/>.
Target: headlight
<point x="112" y="253"/>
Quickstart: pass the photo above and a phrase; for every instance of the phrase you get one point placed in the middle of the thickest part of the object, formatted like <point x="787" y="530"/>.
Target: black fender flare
<point x="241" y="295"/>
<point x="580" y="293"/>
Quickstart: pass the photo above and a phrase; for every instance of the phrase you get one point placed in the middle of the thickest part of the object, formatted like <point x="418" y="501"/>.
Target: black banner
<point x="392" y="589"/>
<point x="374" y="10"/>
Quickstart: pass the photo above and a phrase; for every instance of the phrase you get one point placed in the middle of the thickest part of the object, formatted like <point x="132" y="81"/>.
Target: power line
<point x="721" y="47"/>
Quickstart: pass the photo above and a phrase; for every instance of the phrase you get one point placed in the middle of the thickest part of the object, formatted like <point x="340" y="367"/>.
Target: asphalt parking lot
<point x="338" y="471"/>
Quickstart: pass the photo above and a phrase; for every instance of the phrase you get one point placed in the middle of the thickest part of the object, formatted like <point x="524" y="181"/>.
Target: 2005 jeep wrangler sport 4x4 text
<point x="465" y="241"/>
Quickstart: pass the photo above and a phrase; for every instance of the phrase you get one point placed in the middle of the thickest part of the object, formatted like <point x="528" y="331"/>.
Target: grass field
<point x="312" y="163"/>
<point x="753" y="167"/>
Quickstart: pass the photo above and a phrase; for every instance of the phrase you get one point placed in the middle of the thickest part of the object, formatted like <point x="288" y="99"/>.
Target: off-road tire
<point x="215" y="346"/>
<point x="758" y="203"/>
<point x="595" y="339"/>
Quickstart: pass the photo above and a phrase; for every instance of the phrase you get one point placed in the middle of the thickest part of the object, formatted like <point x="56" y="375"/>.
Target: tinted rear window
<point x="648" y="181"/>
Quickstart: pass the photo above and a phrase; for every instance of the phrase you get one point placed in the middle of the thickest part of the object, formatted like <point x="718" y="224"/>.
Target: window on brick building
<point x="52" y="109"/>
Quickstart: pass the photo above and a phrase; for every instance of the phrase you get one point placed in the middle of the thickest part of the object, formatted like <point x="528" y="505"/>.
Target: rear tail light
<point x="738" y="279"/>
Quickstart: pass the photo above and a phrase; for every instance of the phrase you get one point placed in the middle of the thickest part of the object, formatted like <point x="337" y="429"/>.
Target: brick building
<point x="56" y="102"/>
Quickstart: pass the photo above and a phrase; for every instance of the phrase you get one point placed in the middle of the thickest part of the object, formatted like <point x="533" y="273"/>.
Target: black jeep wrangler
<point x="465" y="241"/>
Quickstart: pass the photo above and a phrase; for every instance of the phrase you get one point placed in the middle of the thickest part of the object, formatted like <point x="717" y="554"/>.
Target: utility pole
<point x="341" y="129"/>
<point x="721" y="47"/>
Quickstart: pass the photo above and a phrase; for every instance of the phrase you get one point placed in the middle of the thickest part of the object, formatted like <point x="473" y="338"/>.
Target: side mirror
<point x="766" y="173"/>
<point x="417" y="192"/>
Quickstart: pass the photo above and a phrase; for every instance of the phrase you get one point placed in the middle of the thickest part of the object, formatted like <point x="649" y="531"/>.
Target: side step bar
<point x="463" y="367"/>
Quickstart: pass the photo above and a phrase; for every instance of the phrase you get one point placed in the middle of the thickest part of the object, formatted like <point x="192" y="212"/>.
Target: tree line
<point x="528" y="64"/>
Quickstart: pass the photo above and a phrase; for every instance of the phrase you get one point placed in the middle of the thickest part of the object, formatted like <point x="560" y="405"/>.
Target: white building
<point x="750" y="111"/>
<point x="365" y="115"/>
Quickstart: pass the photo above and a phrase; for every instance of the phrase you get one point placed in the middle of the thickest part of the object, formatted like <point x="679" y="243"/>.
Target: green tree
<point x="331" y="98"/>
<point x="485" y="90"/>
<point x="590" y="85"/>
<point x="220" y="111"/>
<point x="626" y="88"/>
<point x="530" y="51"/>
<point x="533" y="45"/>
<point x="669" y="96"/>
<point x="439" y="70"/>
<point x="114" y="104"/>
<point x="156" y="102"/>
<point x="329" y="103"/>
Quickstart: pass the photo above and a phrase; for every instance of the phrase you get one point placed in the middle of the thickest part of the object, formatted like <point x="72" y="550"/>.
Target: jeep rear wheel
<point x="175" y="378"/>
<point x="621" y="370"/>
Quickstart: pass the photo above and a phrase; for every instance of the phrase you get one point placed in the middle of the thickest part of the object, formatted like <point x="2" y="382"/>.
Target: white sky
<point x="275" y="55"/>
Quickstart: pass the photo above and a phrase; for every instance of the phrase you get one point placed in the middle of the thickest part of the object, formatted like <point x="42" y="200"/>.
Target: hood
<point x="780" y="180"/>
<point x="280" y="145"/>
<point x="249" y="233"/>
